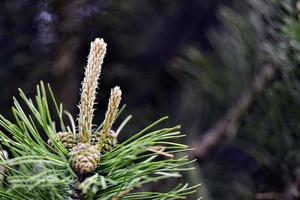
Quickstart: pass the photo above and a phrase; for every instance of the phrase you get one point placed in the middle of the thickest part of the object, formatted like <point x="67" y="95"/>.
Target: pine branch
<point x="226" y="127"/>
<point x="68" y="167"/>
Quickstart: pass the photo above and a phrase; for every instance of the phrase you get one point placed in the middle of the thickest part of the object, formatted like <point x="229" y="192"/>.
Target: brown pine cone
<point x="84" y="158"/>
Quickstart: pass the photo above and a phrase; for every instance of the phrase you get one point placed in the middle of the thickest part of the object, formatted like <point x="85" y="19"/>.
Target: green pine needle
<point x="38" y="171"/>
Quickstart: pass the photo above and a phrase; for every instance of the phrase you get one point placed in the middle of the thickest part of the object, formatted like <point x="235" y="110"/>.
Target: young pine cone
<point x="84" y="158"/>
<point x="68" y="140"/>
<point x="107" y="145"/>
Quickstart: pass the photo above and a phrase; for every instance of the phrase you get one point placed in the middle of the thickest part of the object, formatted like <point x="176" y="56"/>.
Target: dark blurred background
<point x="227" y="70"/>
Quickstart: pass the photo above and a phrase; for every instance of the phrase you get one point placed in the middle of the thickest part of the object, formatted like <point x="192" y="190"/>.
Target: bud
<point x="106" y="138"/>
<point x="84" y="158"/>
<point x="89" y="86"/>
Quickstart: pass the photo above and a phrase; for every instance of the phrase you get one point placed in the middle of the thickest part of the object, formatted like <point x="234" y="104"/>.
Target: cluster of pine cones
<point x="86" y="147"/>
<point x="85" y="157"/>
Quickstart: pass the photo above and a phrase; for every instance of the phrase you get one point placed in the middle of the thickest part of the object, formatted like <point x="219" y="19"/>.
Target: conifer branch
<point x="226" y="127"/>
<point x="68" y="167"/>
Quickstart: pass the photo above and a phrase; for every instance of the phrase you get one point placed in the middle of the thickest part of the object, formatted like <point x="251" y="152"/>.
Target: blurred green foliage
<point x="264" y="156"/>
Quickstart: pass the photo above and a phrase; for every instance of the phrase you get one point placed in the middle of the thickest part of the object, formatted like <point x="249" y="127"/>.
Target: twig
<point x="120" y="194"/>
<point x="160" y="151"/>
<point x="226" y="127"/>
<point x="267" y="196"/>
